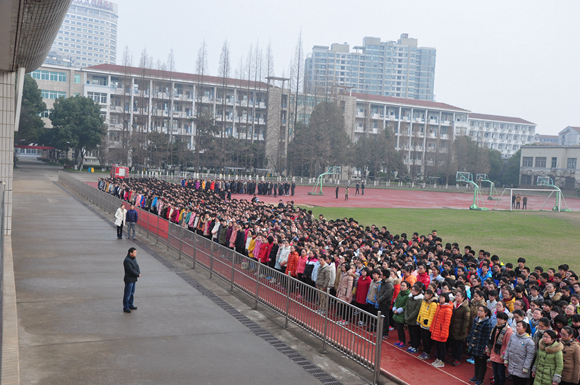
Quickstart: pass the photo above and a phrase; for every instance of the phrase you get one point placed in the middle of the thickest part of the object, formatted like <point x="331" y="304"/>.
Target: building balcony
<point x="360" y="114"/>
<point x="406" y="119"/>
<point x="433" y="121"/>
<point x="445" y="122"/>
<point x="359" y="130"/>
<point x="420" y="120"/>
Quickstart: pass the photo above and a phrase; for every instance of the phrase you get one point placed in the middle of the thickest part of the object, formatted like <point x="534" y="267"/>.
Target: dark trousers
<point x="415" y="335"/>
<point x="401" y="332"/>
<point x="441" y="350"/>
<point x="128" y="295"/>
<point x="456" y="348"/>
<point x="498" y="373"/>
<point x="120" y="231"/>
<point x="522" y="381"/>
<point x="480" y="367"/>
<point x="386" y="311"/>
<point x="427" y="341"/>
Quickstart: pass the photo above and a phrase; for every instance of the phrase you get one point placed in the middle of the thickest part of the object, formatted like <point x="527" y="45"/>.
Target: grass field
<point x="543" y="238"/>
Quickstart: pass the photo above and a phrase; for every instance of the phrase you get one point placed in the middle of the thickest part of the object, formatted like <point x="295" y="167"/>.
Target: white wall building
<point x="557" y="162"/>
<point x="503" y="133"/>
<point x="569" y="136"/>
<point x="87" y="36"/>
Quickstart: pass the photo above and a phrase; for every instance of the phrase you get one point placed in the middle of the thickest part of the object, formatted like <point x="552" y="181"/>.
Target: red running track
<point x="395" y="198"/>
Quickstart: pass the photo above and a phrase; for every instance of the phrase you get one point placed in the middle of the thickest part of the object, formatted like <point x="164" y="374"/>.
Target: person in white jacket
<point x="120" y="216"/>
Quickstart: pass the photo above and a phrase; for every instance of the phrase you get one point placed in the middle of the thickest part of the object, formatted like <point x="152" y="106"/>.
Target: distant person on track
<point x="293" y="188"/>
<point x="362" y="187"/>
<point x="336" y="191"/>
<point x="524" y="203"/>
<point x="518" y="200"/>
<point x="513" y="200"/>
<point x="356" y="192"/>
<point x="131" y="219"/>
<point x="346" y="193"/>
<point x="132" y="273"/>
<point x="120" y="217"/>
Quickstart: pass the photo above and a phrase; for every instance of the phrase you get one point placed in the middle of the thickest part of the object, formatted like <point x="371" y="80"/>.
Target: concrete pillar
<point x="7" y="105"/>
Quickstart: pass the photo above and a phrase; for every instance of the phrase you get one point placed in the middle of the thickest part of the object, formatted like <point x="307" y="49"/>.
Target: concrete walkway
<point x="69" y="284"/>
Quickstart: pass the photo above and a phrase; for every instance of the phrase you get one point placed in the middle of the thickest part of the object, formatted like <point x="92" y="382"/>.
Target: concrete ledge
<point x="10" y="351"/>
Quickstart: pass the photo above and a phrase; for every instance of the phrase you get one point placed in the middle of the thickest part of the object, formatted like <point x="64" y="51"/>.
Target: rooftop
<point x="122" y="70"/>
<point x="408" y="102"/>
<point x="499" y="118"/>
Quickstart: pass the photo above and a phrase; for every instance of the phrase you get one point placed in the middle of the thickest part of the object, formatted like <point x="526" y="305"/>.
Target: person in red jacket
<point x="362" y="289"/>
<point x="292" y="262"/>
<point x="423" y="276"/>
<point x="440" y="328"/>
<point x="264" y="256"/>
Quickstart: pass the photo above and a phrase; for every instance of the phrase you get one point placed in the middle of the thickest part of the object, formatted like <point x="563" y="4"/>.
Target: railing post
<point x="326" y="300"/>
<point x="194" y="251"/>
<point x="288" y="289"/>
<point x="157" y="231"/>
<point x="378" y="348"/>
<point x="233" y="271"/>
<point x="180" y="240"/>
<point x="257" y="285"/>
<point x="211" y="259"/>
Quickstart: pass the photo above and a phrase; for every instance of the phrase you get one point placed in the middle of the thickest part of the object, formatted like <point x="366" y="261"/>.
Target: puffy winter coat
<point x="362" y="289"/>
<point x="460" y="322"/>
<point x="478" y="337"/>
<point x="344" y="291"/>
<point x="520" y="354"/>
<point x="412" y="310"/>
<point x="385" y="296"/>
<point x="441" y="321"/>
<point x="427" y="312"/>
<point x="549" y="363"/>
<point x="473" y="309"/>
<point x="401" y="303"/>
<point x="571" y="354"/>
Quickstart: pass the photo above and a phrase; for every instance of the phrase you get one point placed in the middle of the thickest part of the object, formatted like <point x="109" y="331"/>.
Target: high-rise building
<point x="87" y="36"/>
<point x="392" y="68"/>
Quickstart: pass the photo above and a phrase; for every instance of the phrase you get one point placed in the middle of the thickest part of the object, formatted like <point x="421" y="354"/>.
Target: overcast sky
<point x="512" y="58"/>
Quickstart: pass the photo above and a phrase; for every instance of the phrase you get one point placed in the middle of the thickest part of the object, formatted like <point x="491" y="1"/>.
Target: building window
<point x="526" y="180"/>
<point x="571" y="163"/>
<point x="527" y="161"/>
<point x="49" y="75"/>
<point x="554" y="162"/>
<point x="98" y="97"/>
<point x="52" y="94"/>
<point x="78" y="79"/>
<point x="540" y="162"/>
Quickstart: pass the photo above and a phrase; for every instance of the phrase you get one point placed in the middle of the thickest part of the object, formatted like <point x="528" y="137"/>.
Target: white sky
<point x="514" y="58"/>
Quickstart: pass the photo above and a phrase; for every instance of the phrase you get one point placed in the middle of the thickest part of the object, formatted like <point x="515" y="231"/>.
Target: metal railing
<point x="357" y="334"/>
<point x="2" y="235"/>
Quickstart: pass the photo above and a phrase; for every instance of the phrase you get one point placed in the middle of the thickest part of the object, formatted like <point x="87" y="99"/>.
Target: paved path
<point x="68" y="270"/>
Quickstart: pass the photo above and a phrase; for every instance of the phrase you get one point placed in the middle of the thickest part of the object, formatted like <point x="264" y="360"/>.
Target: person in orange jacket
<point x="292" y="262"/>
<point x="440" y="329"/>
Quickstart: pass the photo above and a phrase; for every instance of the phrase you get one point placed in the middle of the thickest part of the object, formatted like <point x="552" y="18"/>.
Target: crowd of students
<point x="448" y="299"/>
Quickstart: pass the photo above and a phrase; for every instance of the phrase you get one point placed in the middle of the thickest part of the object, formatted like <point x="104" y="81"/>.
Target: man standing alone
<point x="336" y="191"/>
<point x="132" y="273"/>
<point x="131" y="219"/>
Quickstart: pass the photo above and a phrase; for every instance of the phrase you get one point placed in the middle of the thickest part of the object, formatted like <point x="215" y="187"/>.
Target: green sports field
<point x="543" y="238"/>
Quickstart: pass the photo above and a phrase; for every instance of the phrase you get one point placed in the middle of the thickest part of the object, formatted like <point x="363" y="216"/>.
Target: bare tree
<point x="224" y="73"/>
<point x="201" y="68"/>
<point x="126" y="105"/>
<point x="171" y="95"/>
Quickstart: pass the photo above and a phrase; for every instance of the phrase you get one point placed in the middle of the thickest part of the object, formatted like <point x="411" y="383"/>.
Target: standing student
<point x="120" y="217"/>
<point x="362" y="187"/>
<point x="519" y="354"/>
<point x="426" y="314"/>
<point x="571" y="353"/>
<point x="336" y="191"/>
<point x="477" y="342"/>
<point x="346" y="193"/>
<point x="440" y="329"/>
<point x="398" y="310"/>
<point x="498" y="343"/>
<point x="549" y="360"/>
<point x="459" y="326"/>
<point x="411" y="313"/>
<point x="385" y="299"/>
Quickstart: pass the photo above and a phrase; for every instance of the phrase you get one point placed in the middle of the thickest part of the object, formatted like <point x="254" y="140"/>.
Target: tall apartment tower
<point x="399" y="69"/>
<point x="87" y="36"/>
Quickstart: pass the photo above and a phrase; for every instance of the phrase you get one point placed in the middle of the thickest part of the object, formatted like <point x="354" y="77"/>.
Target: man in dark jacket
<point x="131" y="219"/>
<point x="132" y="273"/>
<point x="384" y="299"/>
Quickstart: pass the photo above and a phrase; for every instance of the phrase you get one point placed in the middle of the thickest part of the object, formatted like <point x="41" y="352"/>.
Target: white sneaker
<point x="437" y="361"/>
<point x="440" y="364"/>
